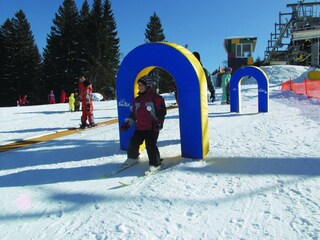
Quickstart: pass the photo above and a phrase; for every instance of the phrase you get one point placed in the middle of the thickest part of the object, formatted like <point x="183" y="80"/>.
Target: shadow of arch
<point x="191" y="85"/>
<point x="263" y="88"/>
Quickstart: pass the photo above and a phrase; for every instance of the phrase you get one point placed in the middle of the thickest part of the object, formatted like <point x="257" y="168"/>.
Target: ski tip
<point x="122" y="184"/>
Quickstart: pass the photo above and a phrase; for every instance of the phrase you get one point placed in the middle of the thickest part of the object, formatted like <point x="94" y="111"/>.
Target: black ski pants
<point x="150" y="137"/>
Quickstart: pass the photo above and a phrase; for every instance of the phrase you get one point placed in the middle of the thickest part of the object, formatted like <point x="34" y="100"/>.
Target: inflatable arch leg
<point x="263" y="88"/>
<point x="191" y="85"/>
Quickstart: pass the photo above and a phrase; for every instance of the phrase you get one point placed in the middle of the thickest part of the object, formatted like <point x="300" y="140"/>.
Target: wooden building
<point x="240" y="51"/>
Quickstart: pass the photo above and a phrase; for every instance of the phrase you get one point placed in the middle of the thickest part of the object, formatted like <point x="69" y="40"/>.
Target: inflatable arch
<point x="263" y="88"/>
<point x="191" y="85"/>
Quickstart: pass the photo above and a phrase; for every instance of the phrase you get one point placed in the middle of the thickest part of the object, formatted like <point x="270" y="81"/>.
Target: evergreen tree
<point x="62" y="56"/>
<point x="102" y="47"/>
<point x="6" y="66"/>
<point x="112" y="58"/>
<point x="28" y="60"/>
<point x="154" y="33"/>
<point x="21" y="71"/>
<point x="82" y="37"/>
<point x="96" y="35"/>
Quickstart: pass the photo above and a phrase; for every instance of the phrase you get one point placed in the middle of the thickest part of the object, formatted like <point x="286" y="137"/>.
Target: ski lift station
<point x="296" y="36"/>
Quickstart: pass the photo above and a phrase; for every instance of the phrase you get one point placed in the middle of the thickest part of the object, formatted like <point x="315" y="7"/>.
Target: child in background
<point x="71" y="102"/>
<point x="22" y="101"/>
<point x="77" y="102"/>
<point x="225" y="79"/>
<point x="87" y="105"/>
<point x="51" y="98"/>
<point x="63" y="96"/>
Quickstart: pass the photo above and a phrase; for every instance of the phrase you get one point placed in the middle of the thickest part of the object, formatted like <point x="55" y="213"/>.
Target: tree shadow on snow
<point x="49" y="112"/>
<point x="259" y="166"/>
<point x="39" y="159"/>
<point x="34" y="130"/>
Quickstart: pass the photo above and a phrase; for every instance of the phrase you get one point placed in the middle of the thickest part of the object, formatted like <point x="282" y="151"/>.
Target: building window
<point x="244" y="50"/>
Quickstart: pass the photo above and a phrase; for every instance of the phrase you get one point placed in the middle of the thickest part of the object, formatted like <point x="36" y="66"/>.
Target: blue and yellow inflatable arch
<point x="191" y="85"/>
<point x="263" y="88"/>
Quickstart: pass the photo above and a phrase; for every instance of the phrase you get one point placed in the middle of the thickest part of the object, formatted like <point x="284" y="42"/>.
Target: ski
<point x="122" y="168"/>
<point x="146" y="175"/>
<point x="87" y="127"/>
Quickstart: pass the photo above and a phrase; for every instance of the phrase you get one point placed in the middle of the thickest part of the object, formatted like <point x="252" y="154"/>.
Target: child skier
<point x="71" y="102"/>
<point x="87" y="106"/>
<point x="51" y="98"/>
<point x="148" y="113"/>
<point x="225" y="79"/>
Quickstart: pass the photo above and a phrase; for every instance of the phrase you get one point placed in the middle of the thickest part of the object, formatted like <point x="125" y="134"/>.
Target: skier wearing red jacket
<point x="87" y="106"/>
<point x="148" y="113"/>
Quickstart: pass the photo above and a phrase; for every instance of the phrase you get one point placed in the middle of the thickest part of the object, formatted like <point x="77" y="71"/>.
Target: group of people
<point x="148" y="112"/>
<point x="82" y="97"/>
<point x="22" y="100"/>
<point x="73" y="100"/>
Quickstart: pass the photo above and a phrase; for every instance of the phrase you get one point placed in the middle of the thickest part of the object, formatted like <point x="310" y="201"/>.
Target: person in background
<point x="225" y="79"/>
<point x="51" y="97"/>
<point x="175" y="91"/>
<point x="148" y="112"/>
<point x="22" y="101"/>
<point x="208" y="78"/>
<point x="87" y="105"/>
<point x="76" y="101"/>
<point x="63" y="96"/>
<point x="19" y="101"/>
<point x="71" y="102"/>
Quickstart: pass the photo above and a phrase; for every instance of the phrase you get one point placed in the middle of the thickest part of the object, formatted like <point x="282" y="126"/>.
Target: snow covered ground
<point x="260" y="180"/>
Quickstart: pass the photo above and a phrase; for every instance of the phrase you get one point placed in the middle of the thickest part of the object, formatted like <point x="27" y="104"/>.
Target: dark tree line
<point x="80" y="42"/>
<point x="83" y="42"/>
<point x="20" y="62"/>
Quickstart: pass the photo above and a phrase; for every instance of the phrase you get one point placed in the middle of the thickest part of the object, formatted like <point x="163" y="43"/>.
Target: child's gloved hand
<point x="125" y="126"/>
<point x="160" y="124"/>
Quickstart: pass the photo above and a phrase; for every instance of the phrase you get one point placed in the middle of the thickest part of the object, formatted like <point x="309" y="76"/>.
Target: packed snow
<point x="260" y="180"/>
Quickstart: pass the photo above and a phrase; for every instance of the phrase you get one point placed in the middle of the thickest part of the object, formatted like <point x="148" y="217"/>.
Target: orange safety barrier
<point x="310" y="88"/>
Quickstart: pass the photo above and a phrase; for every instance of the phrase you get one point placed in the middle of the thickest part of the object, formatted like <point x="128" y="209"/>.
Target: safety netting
<point x="310" y="88"/>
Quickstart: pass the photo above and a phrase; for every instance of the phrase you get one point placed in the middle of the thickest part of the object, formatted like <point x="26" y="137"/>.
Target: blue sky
<point x="202" y="26"/>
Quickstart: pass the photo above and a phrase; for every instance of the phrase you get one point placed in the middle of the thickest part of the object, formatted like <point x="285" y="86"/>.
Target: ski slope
<point x="260" y="180"/>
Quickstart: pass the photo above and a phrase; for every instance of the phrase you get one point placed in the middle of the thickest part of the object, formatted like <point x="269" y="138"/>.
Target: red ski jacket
<point x="87" y="99"/>
<point x="148" y="111"/>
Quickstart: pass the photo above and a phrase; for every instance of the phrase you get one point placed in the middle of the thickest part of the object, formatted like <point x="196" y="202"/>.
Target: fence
<point x="310" y="88"/>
